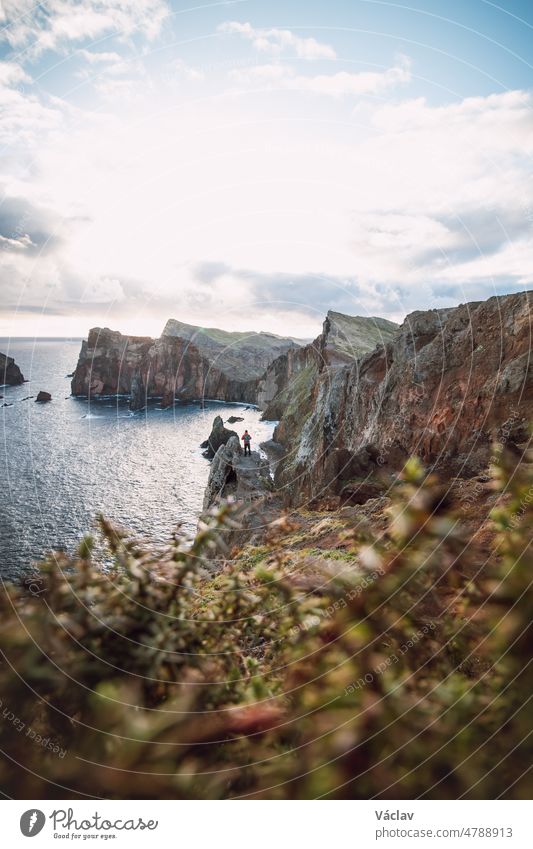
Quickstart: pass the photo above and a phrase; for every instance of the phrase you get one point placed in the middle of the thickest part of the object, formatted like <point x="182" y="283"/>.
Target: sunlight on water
<point x="65" y="461"/>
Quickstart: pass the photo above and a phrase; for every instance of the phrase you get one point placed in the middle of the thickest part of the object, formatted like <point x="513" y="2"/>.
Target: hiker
<point x="246" y="438"/>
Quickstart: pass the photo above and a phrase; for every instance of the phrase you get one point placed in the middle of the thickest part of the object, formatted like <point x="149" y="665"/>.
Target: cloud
<point x="56" y="24"/>
<point x="308" y="293"/>
<point x="344" y="83"/>
<point x="336" y="85"/>
<point x="22" y="243"/>
<point x="234" y="206"/>
<point x="513" y="107"/>
<point x="12" y="74"/>
<point x="276" y="41"/>
<point x="25" y="117"/>
<point x="102" y="63"/>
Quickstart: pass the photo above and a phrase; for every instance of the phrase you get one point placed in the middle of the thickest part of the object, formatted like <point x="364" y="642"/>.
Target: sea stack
<point x="43" y="397"/>
<point x="10" y="373"/>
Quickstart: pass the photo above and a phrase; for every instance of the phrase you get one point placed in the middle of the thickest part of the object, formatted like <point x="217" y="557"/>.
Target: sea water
<point x="65" y="461"/>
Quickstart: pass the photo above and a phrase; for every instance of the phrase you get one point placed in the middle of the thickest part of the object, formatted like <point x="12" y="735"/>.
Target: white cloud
<point x="377" y="208"/>
<point x="336" y="85"/>
<point x="12" y="74"/>
<point x="58" y="23"/>
<point x="25" y="117"/>
<point x="19" y="244"/>
<point x="276" y="41"/>
<point x="344" y="83"/>
<point x="490" y="111"/>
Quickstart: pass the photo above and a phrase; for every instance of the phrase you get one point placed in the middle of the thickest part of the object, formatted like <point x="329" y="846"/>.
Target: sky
<point x="251" y="164"/>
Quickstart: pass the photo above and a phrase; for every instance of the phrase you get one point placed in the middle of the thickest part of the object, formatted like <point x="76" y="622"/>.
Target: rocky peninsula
<point x="443" y="387"/>
<point x="186" y="363"/>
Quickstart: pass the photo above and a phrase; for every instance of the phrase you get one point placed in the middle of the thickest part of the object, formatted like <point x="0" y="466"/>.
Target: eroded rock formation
<point x="219" y="435"/>
<point x="142" y="369"/>
<point x="443" y="389"/>
<point x="231" y="474"/>
<point x="10" y="374"/>
<point x="289" y="380"/>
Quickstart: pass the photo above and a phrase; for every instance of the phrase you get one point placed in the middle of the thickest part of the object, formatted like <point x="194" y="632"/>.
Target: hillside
<point x="288" y="382"/>
<point x="349" y="336"/>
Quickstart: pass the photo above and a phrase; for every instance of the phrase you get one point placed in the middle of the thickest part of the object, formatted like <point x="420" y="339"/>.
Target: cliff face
<point x="446" y="385"/>
<point x="143" y="368"/>
<point x="288" y="383"/>
<point x="10" y="374"/>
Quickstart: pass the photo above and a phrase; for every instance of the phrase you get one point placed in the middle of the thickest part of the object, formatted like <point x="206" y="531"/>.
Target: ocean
<point x="65" y="461"/>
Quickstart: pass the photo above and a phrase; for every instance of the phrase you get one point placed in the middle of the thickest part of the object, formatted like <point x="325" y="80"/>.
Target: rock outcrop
<point x="219" y="435"/>
<point x="443" y="388"/>
<point x="10" y="374"/>
<point x="43" y="397"/>
<point x="232" y="475"/>
<point x="174" y="367"/>
<point x="142" y="369"/>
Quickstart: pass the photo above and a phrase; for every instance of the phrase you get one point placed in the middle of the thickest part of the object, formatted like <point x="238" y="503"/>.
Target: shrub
<point x="155" y="678"/>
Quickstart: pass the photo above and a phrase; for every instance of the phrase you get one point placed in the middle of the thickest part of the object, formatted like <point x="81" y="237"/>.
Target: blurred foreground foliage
<point x="405" y="675"/>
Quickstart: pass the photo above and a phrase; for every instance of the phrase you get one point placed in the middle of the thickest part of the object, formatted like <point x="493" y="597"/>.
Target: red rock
<point x="10" y="373"/>
<point x="448" y="384"/>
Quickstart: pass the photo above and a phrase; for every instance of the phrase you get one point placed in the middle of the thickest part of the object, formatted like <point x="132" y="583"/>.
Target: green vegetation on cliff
<point x="354" y="335"/>
<point x="243" y="355"/>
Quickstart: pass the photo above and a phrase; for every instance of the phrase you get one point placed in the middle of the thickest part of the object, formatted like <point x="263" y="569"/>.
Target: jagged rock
<point x="289" y="379"/>
<point x="141" y="368"/>
<point x="222" y="471"/>
<point x="232" y="474"/>
<point x="10" y="373"/>
<point x="186" y="362"/>
<point x="219" y="435"/>
<point x="233" y="419"/>
<point x="443" y="388"/>
<point x="43" y="397"/>
<point x="167" y="400"/>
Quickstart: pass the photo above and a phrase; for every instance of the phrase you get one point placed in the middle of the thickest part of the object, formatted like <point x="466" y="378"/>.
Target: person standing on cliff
<point x="246" y="438"/>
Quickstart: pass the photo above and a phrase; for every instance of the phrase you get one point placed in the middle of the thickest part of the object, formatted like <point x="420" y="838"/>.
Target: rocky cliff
<point x="442" y="388"/>
<point x="246" y="355"/>
<point x="10" y="374"/>
<point x="171" y="367"/>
